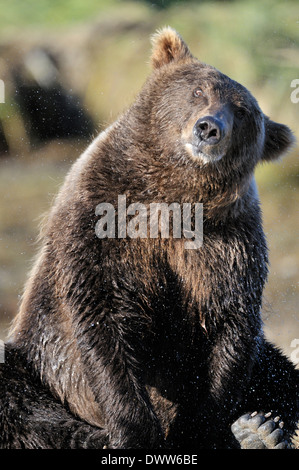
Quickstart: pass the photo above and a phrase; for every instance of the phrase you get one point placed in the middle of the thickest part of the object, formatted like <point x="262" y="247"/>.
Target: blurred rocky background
<point x="69" y="68"/>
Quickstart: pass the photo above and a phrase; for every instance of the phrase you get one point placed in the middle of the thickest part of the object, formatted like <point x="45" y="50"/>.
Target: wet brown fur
<point x="142" y="337"/>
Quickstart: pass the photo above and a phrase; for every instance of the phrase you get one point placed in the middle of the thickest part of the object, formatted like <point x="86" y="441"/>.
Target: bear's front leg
<point x="274" y="387"/>
<point x="113" y="370"/>
<point x="109" y="329"/>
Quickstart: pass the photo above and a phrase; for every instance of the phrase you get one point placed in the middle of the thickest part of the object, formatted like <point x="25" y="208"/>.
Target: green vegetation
<point x="256" y="43"/>
<point x="50" y="13"/>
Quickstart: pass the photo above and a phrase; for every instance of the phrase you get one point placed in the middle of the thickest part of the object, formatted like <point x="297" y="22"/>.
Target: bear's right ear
<point x="168" y="46"/>
<point x="278" y="140"/>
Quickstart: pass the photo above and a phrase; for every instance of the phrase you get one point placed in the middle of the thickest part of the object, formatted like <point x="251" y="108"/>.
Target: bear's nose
<point x="209" y="129"/>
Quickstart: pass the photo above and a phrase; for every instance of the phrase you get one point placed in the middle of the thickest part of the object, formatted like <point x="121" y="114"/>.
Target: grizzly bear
<point x="127" y="340"/>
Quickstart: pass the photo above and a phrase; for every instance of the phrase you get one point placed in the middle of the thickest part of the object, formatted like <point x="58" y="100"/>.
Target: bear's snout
<point x="209" y="138"/>
<point x="209" y="130"/>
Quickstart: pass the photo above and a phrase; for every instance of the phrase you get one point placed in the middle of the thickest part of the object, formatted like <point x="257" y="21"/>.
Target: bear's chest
<point x="202" y="290"/>
<point x="205" y="293"/>
<point x="227" y="264"/>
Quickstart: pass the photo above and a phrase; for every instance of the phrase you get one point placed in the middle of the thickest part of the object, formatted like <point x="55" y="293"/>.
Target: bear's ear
<point x="278" y="139"/>
<point x="168" y="46"/>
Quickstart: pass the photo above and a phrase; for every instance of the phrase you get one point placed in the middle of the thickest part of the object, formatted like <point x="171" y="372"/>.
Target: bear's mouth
<point x="205" y="153"/>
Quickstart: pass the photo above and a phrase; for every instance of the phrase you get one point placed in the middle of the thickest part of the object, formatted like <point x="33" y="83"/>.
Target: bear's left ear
<point x="278" y="139"/>
<point x="168" y="46"/>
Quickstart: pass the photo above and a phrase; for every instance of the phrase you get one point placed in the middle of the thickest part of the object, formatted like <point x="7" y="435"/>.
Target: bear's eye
<point x="198" y="92"/>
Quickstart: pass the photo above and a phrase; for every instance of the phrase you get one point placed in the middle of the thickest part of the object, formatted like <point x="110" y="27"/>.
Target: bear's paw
<point x="260" y="431"/>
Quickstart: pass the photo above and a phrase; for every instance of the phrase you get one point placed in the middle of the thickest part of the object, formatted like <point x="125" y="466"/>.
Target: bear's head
<point x="205" y="116"/>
